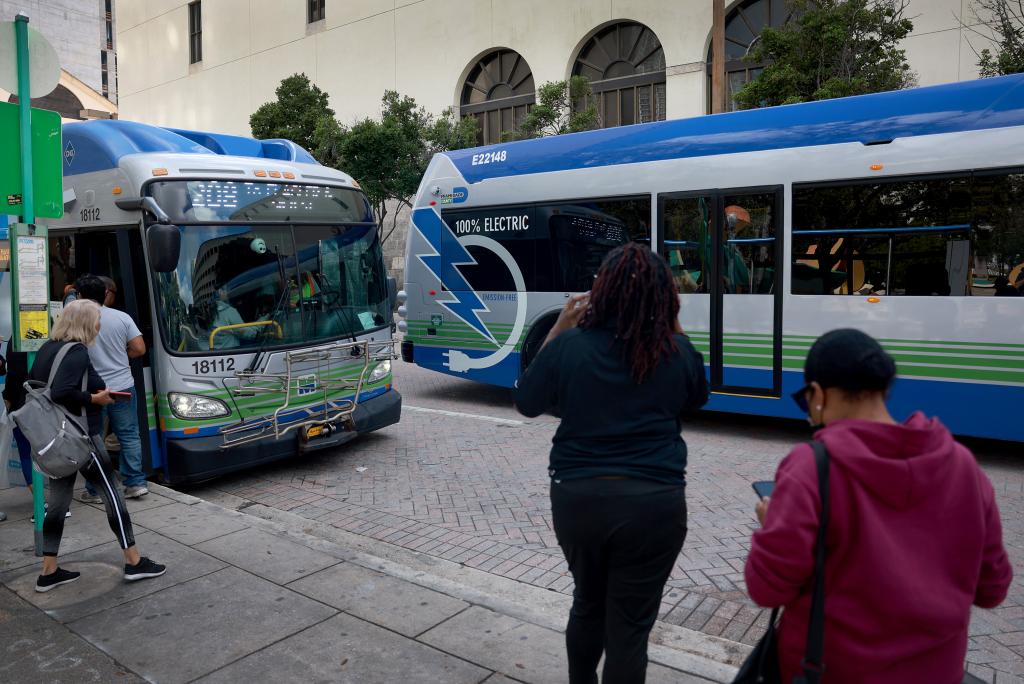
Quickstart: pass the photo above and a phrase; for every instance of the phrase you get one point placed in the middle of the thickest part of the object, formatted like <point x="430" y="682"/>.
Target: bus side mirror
<point x="392" y="293"/>
<point x="164" y="242"/>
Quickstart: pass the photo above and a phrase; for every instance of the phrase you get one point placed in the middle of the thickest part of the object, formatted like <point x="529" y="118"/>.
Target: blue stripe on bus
<point x="290" y="417"/>
<point x="504" y="374"/>
<point x="969" y="105"/>
<point x="974" y="409"/>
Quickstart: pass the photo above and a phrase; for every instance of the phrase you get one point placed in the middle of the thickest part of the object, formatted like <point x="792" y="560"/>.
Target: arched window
<point x="626" y="68"/>
<point x="498" y="91"/>
<point x="743" y="26"/>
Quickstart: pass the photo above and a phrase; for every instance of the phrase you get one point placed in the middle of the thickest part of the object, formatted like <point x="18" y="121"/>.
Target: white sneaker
<point x="136" y="492"/>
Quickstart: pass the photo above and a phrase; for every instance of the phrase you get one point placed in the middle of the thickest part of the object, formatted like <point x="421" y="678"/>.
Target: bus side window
<point x="584" y="232"/>
<point x="909" y="237"/>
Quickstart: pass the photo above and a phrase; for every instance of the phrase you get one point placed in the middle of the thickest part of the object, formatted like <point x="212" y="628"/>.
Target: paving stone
<point x="229" y="603"/>
<point x="189" y="524"/>
<point x="474" y="482"/>
<point x="398" y="605"/>
<point x="347" y="649"/>
<point x="87" y="527"/>
<point x="271" y="557"/>
<point x="504" y="644"/>
<point x="37" y="650"/>
<point x="16" y="502"/>
<point x="103" y="585"/>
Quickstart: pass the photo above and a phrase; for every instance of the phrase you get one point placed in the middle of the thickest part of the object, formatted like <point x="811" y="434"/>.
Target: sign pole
<point x="28" y="218"/>
<point x="25" y="116"/>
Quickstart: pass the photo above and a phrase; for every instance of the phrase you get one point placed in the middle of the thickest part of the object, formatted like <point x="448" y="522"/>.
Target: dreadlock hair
<point x="635" y="292"/>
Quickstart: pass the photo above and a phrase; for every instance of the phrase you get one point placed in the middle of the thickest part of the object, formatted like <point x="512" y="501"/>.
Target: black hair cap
<point x="850" y="360"/>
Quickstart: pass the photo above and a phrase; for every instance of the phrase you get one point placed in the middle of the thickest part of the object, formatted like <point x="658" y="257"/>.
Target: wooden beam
<point x="718" y="56"/>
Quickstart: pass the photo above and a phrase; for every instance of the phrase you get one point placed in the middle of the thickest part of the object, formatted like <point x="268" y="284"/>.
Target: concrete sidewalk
<point x="259" y="595"/>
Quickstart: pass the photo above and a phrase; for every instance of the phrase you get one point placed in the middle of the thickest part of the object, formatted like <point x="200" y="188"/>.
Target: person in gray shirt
<point x="119" y="341"/>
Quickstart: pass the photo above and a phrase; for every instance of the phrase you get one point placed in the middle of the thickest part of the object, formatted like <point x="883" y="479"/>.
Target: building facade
<point x="83" y="33"/>
<point x="208" y="64"/>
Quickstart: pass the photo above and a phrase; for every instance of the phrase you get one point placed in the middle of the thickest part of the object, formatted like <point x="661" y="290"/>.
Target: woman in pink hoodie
<point x="914" y="536"/>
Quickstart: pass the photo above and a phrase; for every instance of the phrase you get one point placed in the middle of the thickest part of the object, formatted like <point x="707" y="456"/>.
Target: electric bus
<point x="256" y="277"/>
<point x="898" y="213"/>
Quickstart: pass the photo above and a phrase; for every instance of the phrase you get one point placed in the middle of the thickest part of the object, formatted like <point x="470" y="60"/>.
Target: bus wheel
<point x="535" y="340"/>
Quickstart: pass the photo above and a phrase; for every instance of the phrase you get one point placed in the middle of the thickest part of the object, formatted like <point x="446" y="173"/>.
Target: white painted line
<point x="460" y="414"/>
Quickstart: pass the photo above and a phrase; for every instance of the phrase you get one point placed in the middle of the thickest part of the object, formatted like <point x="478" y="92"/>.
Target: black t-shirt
<point x="67" y="385"/>
<point x="611" y="425"/>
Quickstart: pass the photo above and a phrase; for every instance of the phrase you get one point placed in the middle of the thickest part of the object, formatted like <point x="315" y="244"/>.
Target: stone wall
<point x="394" y="247"/>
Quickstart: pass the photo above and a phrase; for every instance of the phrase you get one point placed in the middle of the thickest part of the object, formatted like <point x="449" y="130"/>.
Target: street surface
<point x="463" y="477"/>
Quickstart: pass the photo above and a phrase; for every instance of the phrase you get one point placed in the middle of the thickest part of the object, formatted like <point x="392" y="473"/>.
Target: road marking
<point x="460" y="414"/>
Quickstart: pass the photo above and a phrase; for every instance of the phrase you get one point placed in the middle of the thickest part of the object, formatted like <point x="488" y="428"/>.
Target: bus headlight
<point x="380" y="372"/>
<point x="194" y="406"/>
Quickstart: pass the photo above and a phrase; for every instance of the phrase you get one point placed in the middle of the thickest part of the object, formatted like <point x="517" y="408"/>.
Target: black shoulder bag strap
<point x="812" y="664"/>
<point x="81" y="419"/>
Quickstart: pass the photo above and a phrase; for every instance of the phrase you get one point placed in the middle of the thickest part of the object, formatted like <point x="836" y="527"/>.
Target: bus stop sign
<point x="47" y="178"/>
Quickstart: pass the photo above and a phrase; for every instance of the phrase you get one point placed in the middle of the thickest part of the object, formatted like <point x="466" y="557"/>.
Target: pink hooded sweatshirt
<point x="914" y="539"/>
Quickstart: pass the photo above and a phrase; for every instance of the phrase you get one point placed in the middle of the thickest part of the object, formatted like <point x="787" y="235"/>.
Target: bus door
<point x="727" y="245"/>
<point x="118" y="254"/>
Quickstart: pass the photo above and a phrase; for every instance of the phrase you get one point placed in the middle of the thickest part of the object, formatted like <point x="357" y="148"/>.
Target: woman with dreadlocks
<point x="619" y="372"/>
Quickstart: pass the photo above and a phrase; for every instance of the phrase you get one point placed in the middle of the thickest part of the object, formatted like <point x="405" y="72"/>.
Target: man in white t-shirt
<point x="119" y="341"/>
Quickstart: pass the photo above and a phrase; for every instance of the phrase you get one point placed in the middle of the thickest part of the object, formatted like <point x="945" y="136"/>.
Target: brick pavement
<point x="475" y="492"/>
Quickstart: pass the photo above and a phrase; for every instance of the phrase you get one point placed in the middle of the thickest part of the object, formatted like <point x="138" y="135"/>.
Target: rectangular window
<point x="935" y="236"/>
<point x="315" y="10"/>
<point x="195" y="33"/>
<point x="556" y="247"/>
<point x="583" y="233"/>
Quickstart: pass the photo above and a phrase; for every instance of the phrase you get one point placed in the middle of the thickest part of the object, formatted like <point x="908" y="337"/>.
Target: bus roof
<point x="99" y="145"/>
<point x="868" y="119"/>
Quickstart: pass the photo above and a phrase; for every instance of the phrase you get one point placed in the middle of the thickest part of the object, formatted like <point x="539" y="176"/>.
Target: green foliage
<point x="831" y="48"/>
<point x="388" y="155"/>
<point x="562" y="107"/>
<point x="299" y="108"/>
<point x="1005" y="21"/>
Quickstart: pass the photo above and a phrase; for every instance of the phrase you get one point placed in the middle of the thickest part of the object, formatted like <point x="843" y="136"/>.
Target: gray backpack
<point x="60" y="440"/>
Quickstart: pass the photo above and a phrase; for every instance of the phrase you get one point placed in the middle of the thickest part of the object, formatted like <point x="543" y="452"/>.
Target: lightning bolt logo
<point x="463" y="302"/>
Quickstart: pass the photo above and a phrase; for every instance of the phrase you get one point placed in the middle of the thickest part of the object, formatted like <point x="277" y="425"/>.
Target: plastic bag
<point x="10" y="472"/>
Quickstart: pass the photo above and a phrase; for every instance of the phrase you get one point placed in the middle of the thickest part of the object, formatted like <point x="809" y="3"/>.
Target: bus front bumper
<point x="202" y="458"/>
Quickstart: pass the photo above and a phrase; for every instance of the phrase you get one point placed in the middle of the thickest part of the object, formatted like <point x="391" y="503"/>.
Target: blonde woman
<point x="78" y="326"/>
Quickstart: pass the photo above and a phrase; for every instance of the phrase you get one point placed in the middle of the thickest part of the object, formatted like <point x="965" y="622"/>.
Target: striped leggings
<point x="100" y="474"/>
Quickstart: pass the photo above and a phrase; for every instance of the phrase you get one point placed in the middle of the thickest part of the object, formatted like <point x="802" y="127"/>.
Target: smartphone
<point x="121" y="397"/>
<point x="763" y="488"/>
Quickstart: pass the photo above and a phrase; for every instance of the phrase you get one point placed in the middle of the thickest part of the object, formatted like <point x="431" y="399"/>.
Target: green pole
<point x="25" y="115"/>
<point x="28" y="217"/>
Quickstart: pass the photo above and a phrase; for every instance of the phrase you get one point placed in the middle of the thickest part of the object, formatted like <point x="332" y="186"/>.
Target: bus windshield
<point x="250" y="287"/>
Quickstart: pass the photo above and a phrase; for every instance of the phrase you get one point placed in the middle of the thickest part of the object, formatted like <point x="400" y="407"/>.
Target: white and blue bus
<point x="899" y="213"/>
<point x="257" y="279"/>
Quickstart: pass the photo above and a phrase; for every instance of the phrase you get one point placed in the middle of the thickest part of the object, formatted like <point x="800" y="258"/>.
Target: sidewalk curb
<point x="710" y="657"/>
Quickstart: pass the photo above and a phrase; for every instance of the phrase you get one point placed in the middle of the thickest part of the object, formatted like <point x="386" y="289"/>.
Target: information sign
<point x="47" y="173"/>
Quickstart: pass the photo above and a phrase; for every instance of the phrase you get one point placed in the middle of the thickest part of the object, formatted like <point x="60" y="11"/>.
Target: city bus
<point x="899" y="213"/>
<point x="257" y="279"/>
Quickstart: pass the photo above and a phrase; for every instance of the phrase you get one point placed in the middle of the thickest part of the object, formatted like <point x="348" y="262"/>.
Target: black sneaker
<point x="143" y="570"/>
<point x="61" y="576"/>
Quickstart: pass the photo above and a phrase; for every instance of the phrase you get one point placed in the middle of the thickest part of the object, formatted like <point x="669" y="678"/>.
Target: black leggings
<point x="621" y="539"/>
<point x="100" y="474"/>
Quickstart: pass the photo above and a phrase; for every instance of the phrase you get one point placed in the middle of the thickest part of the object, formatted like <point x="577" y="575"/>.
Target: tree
<point x="300" y="107"/>
<point x="389" y="155"/>
<point x="555" y="113"/>
<point x="1004" y="19"/>
<point x="831" y="48"/>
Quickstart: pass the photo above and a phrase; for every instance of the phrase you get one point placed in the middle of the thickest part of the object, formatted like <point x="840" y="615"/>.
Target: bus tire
<point x="535" y="340"/>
